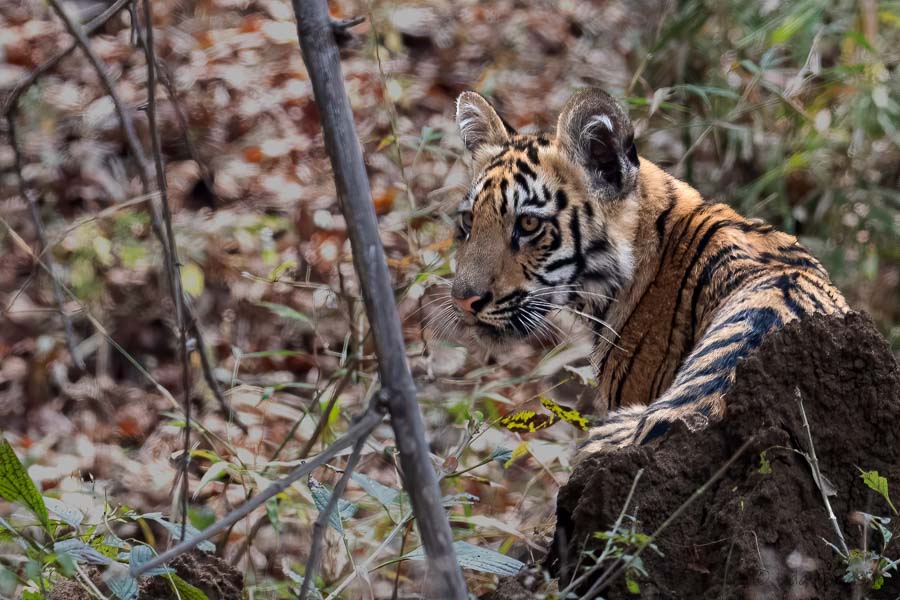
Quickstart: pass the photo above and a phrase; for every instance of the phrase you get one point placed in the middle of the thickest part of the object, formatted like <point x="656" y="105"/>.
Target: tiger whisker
<point x="546" y="304"/>
<point x="524" y="317"/>
<point x="579" y="292"/>
<point x="447" y="317"/>
<point x="546" y="326"/>
<point x="445" y="297"/>
<point x="586" y="316"/>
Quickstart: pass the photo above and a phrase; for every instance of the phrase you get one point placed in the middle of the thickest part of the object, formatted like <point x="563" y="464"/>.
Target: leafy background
<point x="786" y="110"/>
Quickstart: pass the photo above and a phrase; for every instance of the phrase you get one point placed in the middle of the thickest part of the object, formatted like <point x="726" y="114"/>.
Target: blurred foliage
<point x="789" y="111"/>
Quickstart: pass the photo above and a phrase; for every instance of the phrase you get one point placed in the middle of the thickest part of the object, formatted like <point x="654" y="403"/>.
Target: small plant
<point x="623" y="546"/>
<point x="869" y="567"/>
<point x="57" y="543"/>
<point x="620" y="544"/>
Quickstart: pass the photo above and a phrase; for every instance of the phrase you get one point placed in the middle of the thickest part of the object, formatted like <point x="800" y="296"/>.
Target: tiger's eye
<point x="528" y="224"/>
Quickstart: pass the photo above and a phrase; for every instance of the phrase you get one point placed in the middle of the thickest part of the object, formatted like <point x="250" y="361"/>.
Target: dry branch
<point x="321" y="55"/>
<point x="136" y="150"/>
<point x="173" y="268"/>
<point x="27" y="193"/>
<point x="23" y="85"/>
<point x="359" y="430"/>
<point x="312" y="561"/>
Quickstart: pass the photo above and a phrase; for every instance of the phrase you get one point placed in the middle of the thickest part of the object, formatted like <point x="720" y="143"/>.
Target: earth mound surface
<point x="758" y="531"/>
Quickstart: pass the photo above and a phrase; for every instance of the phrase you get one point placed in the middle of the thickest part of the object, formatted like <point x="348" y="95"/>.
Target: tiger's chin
<point x="496" y="340"/>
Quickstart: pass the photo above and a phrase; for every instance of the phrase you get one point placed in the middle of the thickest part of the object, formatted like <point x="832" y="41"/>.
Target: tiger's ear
<point x="479" y="124"/>
<point x="597" y="133"/>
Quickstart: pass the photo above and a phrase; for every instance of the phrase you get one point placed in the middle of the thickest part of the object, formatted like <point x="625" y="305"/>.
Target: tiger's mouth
<point x="510" y="323"/>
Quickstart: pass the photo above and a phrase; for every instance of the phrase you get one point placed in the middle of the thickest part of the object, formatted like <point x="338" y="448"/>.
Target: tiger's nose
<point x="467" y="304"/>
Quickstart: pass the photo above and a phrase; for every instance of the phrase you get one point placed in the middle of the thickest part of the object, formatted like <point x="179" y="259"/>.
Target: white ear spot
<point x="598" y="119"/>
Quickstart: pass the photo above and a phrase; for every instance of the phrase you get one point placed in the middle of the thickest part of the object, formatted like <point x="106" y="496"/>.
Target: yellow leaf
<point x="527" y="420"/>
<point x="192" y="279"/>
<point x="520" y="451"/>
<point x="569" y="415"/>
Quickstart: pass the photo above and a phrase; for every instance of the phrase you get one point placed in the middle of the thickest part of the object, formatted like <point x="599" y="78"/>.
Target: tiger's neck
<point x="656" y="321"/>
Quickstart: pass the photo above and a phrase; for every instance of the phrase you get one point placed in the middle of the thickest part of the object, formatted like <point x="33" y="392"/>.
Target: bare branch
<point x="304" y="452"/>
<point x="819" y="479"/>
<point x="166" y="79"/>
<point x="359" y="430"/>
<point x="137" y="152"/>
<point x="173" y="268"/>
<point x="321" y="55"/>
<point x="131" y="137"/>
<point x="95" y="24"/>
<point x="341" y="29"/>
<point x="28" y="194"/>
<point x="312" y="562"/>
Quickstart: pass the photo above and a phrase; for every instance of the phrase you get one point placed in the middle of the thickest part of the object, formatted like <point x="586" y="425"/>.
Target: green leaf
<point x="80" y="552"/>
<point x="463" y="498"/>
<point x="879" y="484"/>
<point x="214" y="471"/>
<point x="185" y="590"/>
<point x="123" y="585"/>
<point x="175" y="530"/>
<point x="501" y="454"/>
<point x="8" y="581"/>
<point x="67" y="514"/>
<point x="285" y="312"/>
<point x="765" y="465"/>
<point x="472" y="557"/>
<point x="632" y="586"/>
<point x="384" y="494"/>
<point x="272" y="513"/>
<point x="322" y="495"/>
<point x="192" y="279"/>
<point x="141" y="554"/>
<point x="280" y="269"/>
<point x="520" y="451"/>
<point x="16" y="485"/>
<point x="33" y="570"/>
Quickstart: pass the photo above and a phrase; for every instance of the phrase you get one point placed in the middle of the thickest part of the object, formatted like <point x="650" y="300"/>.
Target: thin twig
<point x="599" y="564"/>
<point x="304" y="452"/>
<point x="97" y="325"/>
<point x="173" y="268"/>
<point x="401" y="523"/>
<point x="23" y="85"/>
<point x="28" y="194"/>
<point x="312" y="562"/>
<point x="131" y="137"/>
<point x="134" y="147"/>
<point x="817" y="474"/>
<point x="166" y="79"/>
<point x="208" y="370"/>
<point x="360" y="429"/>
<point x="622" y="564"/>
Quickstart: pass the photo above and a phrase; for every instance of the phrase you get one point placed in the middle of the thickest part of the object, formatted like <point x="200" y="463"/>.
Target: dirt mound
<point x="213" y="576"/>
<point x="758" y="531"/>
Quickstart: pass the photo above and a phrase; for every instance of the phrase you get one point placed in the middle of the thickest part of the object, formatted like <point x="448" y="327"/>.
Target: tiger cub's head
<point x="549" y="220"/>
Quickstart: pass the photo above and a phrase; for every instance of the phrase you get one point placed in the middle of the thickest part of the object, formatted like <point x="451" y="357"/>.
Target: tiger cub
<point x="676" y="289"/>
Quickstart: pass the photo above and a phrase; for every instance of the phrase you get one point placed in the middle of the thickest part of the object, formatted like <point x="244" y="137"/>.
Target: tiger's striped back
<point x="712" y="284"/>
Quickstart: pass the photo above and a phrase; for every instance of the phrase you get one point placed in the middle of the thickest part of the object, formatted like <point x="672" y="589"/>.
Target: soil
<point x="757" y="532"/>
<point x="213" y="576"/>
